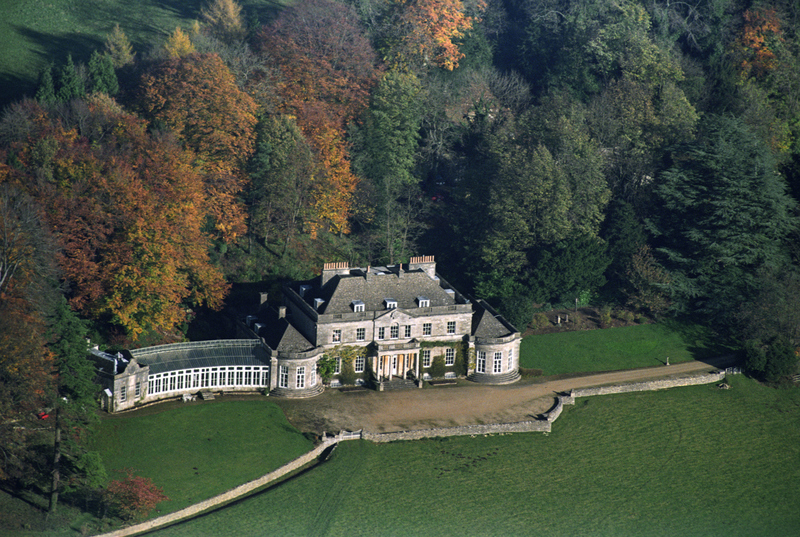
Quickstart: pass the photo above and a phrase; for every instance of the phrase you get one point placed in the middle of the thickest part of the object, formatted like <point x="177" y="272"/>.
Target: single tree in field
<point x="133" y="496"/>
<point x="119" y="48"/>
<point x="223" y="20"/>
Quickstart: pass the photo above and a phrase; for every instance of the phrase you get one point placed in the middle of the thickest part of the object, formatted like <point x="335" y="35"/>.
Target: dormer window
<point x="304" y="289"/>
<point x="318" y="302"/>
<point x="358" y="306"/>
<point x="390" y="303"/>
<point x="423" y="302"/>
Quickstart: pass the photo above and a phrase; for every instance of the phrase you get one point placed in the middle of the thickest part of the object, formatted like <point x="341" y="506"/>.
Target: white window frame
<point x="358" y="306"/>
<point x="123" y="393"/>
<point x="283" y="376"/>
<point x="391" y="304"/>
<point x="426" y="357"/>
<point x="497" y="365"/>
<point x="480" y="363"/>
<point x="361" y="334"/>
<point x="407" y="331"/>
<point x="510" y="359"/>
<point x="449" y="356"/>
<point x="426" y="329"/>
<point x="423" y="302"/>
<point x="300" y="377"/>
<point x="382" y="332"/>
<point x="451" y="327"/>
<point x="138" y="389"/>
<point x="359" y="363"/>
<point x="394" y="331"/>
<point x="313" y="380"/>
<point x="336" y="336"/>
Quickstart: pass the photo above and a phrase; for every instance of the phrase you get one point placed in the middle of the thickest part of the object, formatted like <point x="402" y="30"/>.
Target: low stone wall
<point x="651" y="385"/>
<point x="226" y="497"/>
<point x="466" y="430"/>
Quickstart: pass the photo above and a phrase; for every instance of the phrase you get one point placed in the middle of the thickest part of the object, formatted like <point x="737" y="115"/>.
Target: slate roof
<point x="486" y="325"/>
<point x="340" y="292"/>
<point x="202" y="354"/>
<point x="281" y="336"/>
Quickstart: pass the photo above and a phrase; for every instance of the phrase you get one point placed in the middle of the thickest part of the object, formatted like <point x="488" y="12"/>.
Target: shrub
<point x="605" y="316"/>
<point x="626" y="315"/>
<point x="540" y="320"/>
<point x="134" y="496"/>
<point x="437" y="368"/>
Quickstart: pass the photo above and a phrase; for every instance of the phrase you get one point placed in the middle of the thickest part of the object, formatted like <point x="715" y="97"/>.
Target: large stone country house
<point x="385" y="327"/>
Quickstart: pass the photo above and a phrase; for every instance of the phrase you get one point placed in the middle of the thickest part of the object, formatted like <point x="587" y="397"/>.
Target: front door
<point x="394" y="365"/>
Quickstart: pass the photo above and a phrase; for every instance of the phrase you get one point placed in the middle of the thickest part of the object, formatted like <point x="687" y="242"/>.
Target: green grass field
<point x="696" y="461"/>
<point x="199" y="450"/>
<point x="618" y="348"/>
<point x="37" y="32"/>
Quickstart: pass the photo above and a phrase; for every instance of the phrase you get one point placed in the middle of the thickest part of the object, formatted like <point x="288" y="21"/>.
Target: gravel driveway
<point x="463" y="404"/>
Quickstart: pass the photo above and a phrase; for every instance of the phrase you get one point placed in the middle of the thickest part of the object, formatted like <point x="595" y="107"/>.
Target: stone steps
<point x="297" y="394"/>
<point x="502" y="378"/>
<point x="397" y="384"/>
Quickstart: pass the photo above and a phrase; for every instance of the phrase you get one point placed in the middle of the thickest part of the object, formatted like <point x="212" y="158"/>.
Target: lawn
<point x="37" y="32"/>
<point x="618" y="348"/>
<point x="198" y="450"/>
<point x="694" y="461"/>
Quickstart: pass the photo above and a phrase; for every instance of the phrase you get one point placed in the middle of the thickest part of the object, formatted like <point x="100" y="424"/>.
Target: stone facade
<point x="383" y="326"/>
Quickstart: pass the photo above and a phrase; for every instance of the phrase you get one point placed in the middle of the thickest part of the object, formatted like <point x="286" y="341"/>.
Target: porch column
<point x="416" y="368"/>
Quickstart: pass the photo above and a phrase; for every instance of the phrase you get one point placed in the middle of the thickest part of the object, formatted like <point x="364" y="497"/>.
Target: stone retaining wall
<point x="466" y="430"/>
<point x="650" y="385"/>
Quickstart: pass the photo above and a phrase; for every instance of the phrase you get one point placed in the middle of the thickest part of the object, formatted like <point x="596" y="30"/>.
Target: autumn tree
<point x="223" y="20"/>
<point x="129" y="214"/>
<point x="198" y="99"/>
<point x="328" y="68"/>
<point x="118" y="47"/>
<point x="133" y="496"/>
<point x="178" y="44"/>
<point x="758" y="40"/>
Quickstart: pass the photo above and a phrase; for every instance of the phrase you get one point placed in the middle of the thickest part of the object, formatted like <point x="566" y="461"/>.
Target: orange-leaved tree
<point x="198" y="99"/>
<point x="758" y="40"/>
<point x="430" y="29"/>
<point x="129" y="215"/>
<point x="328" y="68"/>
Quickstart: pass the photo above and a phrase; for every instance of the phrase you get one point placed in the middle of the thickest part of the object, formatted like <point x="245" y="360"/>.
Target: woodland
<point x="641" y="155"/>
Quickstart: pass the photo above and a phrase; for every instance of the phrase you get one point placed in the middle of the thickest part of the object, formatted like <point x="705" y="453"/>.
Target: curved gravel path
<point x="465" y="404"/>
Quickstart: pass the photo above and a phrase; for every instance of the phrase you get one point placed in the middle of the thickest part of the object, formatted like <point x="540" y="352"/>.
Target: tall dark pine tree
<point x="723" y="214"/>
<point x="74" y="401"/>
<point x="71" y="85"/>
<point x="46" y="93"/>
<point x="102" y="76"/>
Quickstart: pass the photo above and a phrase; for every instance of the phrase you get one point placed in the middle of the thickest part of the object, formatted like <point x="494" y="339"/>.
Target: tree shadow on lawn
<point x="702" y="342"/>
